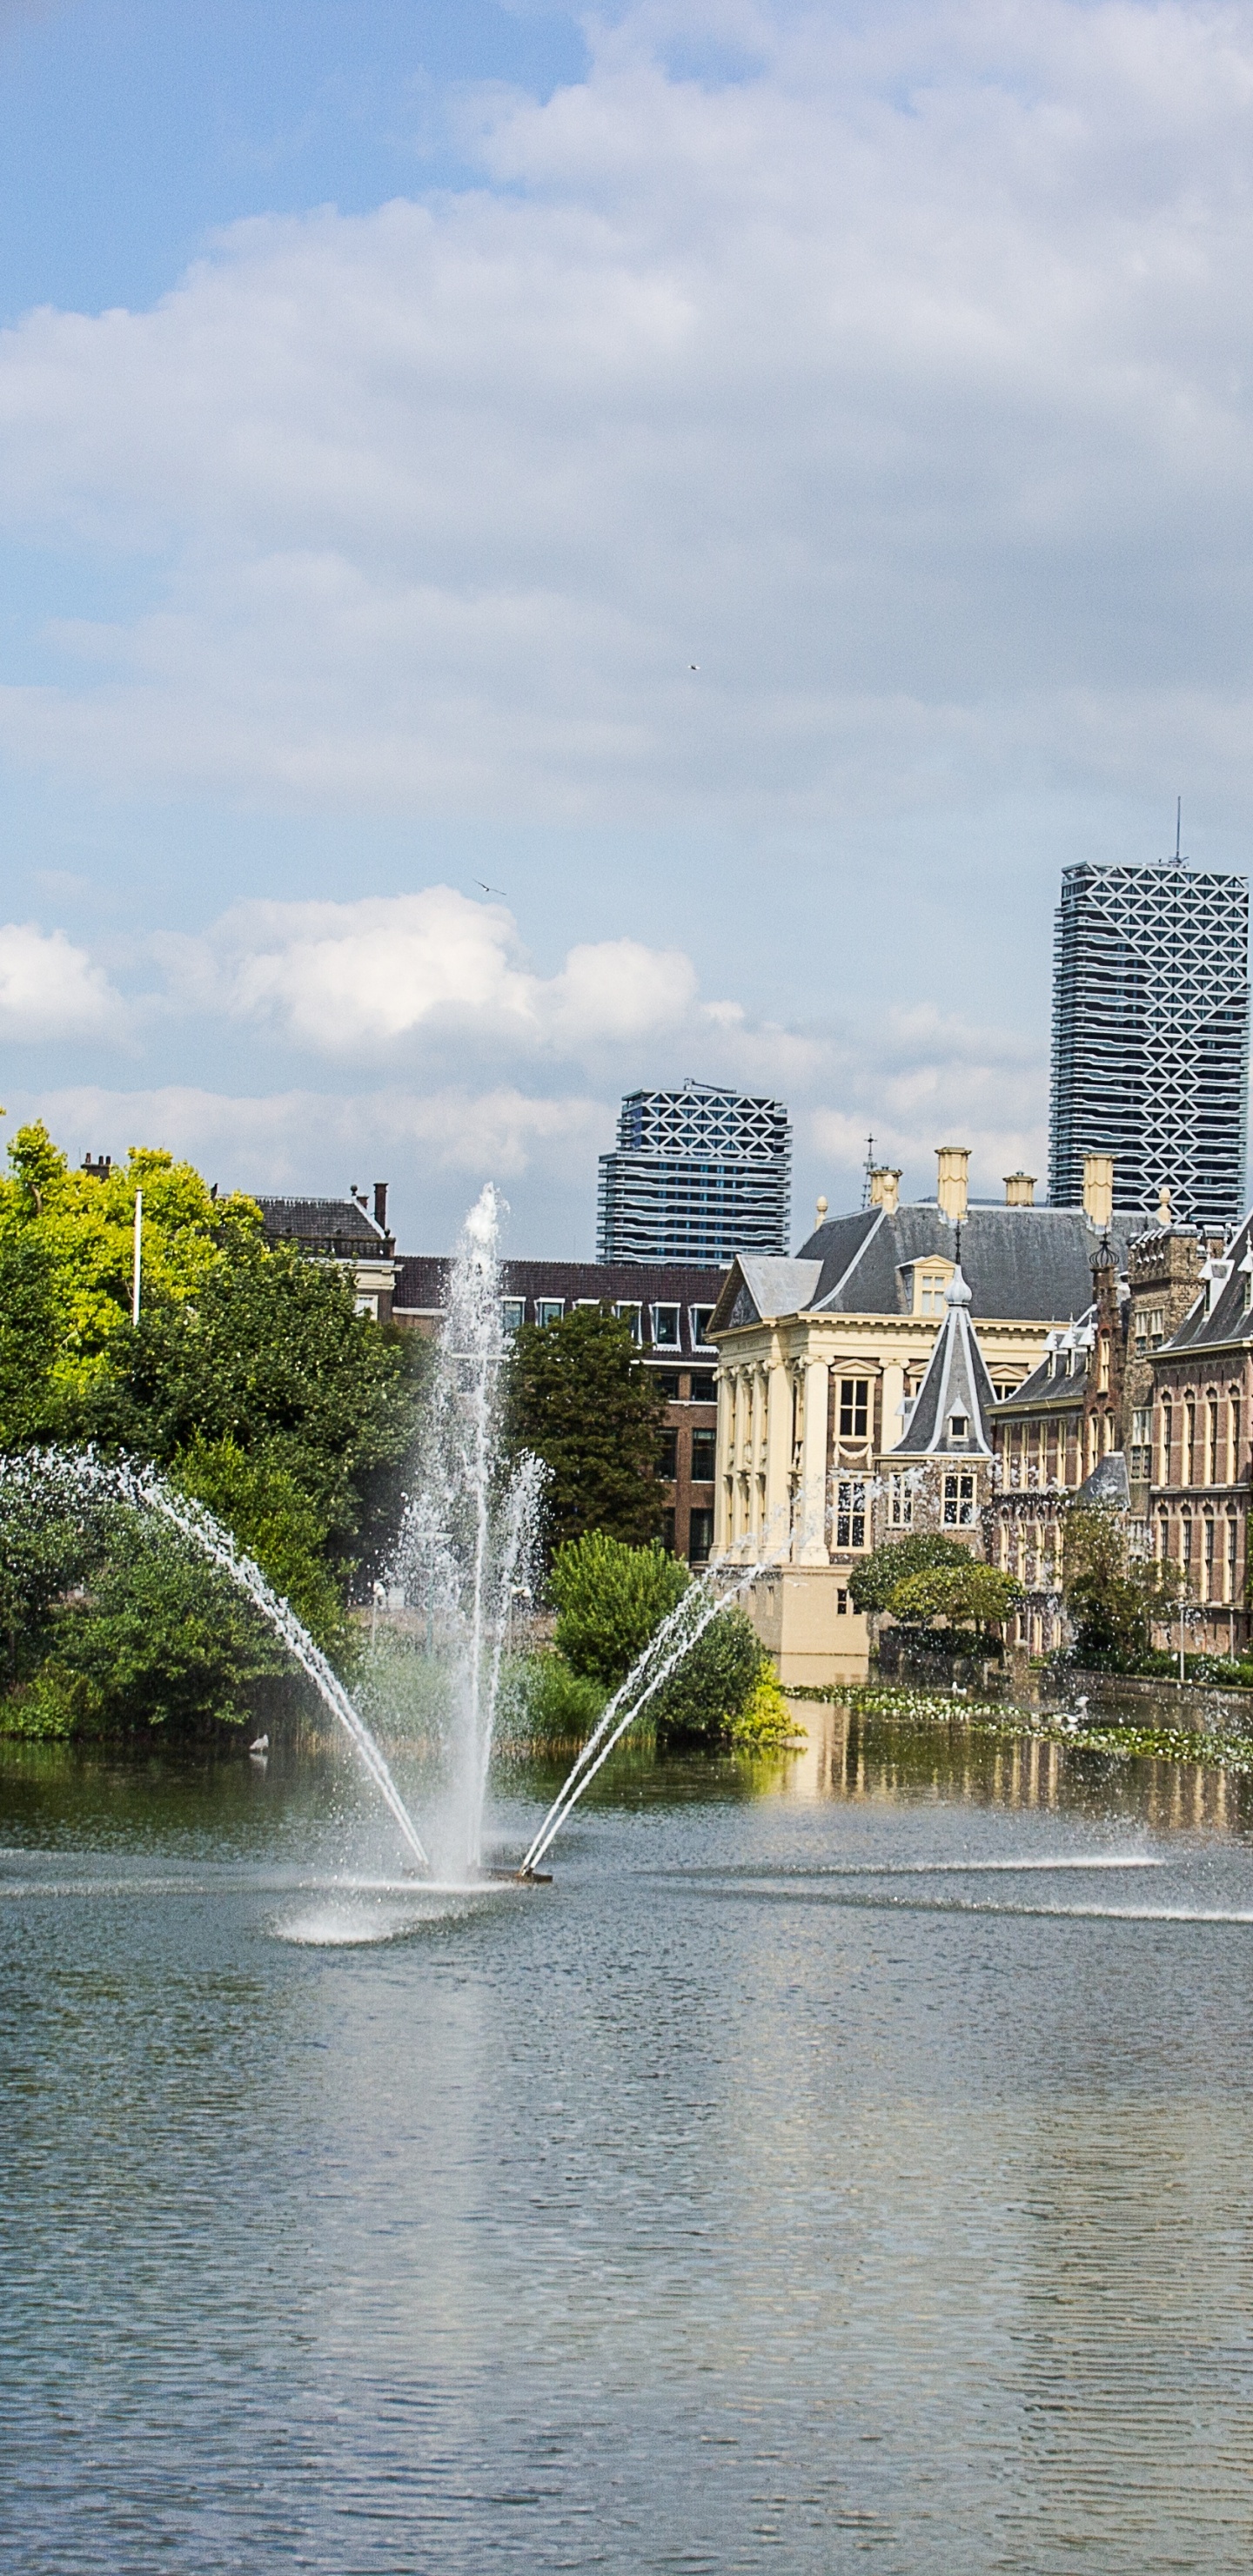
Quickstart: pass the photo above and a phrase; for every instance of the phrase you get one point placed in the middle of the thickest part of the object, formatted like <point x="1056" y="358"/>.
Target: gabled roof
<point x="760" y="1288"/>
<point x="339" y="1228"/>
<point x="1209" y="1325"/>
<point x="956" y="1390"/>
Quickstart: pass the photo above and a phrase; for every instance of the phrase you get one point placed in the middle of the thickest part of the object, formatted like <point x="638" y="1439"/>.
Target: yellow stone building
<point x="819" y="1358"/>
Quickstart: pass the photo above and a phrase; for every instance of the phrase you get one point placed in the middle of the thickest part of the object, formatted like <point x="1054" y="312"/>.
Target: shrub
<point x="1113" y="1601"/>
<point x="766" y="1719"/>
<point x="878" y="1574"/>
<point x="711" y="1689"/>
<point x="610" y="1600"/>
<point x="557" y="1702"/>
<point x="969" y="1596"/>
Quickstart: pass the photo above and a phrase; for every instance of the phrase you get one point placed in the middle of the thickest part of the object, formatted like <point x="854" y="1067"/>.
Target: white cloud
<point x="346" y="979"/>
<point x="50" y="989"/>
<point x="900" y="380"/>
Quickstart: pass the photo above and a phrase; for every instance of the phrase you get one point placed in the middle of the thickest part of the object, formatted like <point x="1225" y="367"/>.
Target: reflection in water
<point x="847" y="2161"/>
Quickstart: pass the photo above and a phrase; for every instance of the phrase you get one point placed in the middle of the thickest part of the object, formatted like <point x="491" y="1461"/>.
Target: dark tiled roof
<point x="421" y="1286"/>
<point x="1228" y="1321"/>
<point x="336" y="1226"/>
<point x="1029" y="1263"/>
<point x="1064" y="1387"/>
<point x="957" y="1381"/>
<point x="1108" y="1482"/>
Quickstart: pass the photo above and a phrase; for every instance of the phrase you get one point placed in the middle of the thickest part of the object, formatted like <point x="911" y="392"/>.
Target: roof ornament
<point x="1164" y="1216"/>
<point x="868" y="1172"/>
<point x="957" y="1292"/>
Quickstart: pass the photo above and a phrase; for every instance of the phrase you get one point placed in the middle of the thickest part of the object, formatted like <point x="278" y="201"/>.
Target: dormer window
<point x="958" y="1426"/>
<point x="931" y="1287"/>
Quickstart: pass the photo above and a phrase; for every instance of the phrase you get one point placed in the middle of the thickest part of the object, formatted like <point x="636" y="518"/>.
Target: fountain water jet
<point x="468" y="1533"/>
<point x="80" y="1473"/>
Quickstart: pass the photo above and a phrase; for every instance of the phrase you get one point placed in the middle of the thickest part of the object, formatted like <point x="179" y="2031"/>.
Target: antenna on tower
<point x="869" y="1169"/>
<point x="1178" y="826"/>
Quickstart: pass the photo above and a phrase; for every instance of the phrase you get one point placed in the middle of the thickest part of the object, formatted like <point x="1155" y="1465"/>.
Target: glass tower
<point x="1151" y="1038"/>
<point x="698" y="1175"/>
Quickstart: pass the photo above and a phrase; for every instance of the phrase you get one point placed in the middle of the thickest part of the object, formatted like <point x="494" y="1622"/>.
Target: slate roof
<point x="338" y="1228"/>
<point x="422" y="1289"/>
<point x="956" y="1385"/>
<point x="1028" y="1263"/>
<point x="1108" y="1483"/>
<point x="1031" y="1264"/>
<point x="1226" y="1321"/>
<point x="1062" y="1377"/>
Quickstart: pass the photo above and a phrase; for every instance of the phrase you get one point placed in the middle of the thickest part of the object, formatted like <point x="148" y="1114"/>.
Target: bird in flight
<point x="693" y="666"/>
<point x="479" y="881"/>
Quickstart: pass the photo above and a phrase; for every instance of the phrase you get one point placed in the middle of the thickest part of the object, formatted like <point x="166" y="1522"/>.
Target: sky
<point x="545" y="551"/>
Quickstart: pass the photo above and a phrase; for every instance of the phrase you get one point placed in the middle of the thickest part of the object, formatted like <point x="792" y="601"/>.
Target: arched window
<point x="1168" y="1434"/>
<point x="1207" y="1557"/>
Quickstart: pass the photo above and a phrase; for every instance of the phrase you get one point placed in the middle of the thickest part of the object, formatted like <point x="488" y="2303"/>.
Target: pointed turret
<point x="951" y="1414"/>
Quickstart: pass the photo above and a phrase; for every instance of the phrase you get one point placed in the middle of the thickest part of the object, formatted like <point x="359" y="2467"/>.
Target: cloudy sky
<point x="551" y="550"/>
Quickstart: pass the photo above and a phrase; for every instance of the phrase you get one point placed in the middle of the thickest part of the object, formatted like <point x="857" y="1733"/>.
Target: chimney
<point x="380" y="1206"/>
<point x="1098" y="1189"/>
<point x="885" y="1185"/>
<point x="952" y="1168"/>
<point x="1020" y="1189"/>
<point x="1164" y="1216"/>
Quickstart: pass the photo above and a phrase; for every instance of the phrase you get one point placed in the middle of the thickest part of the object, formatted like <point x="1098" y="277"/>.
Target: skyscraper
<point x="1151" y="1037"/>
<point x="698" y="1174"/>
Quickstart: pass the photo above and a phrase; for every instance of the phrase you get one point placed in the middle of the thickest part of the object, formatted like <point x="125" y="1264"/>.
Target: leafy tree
<point x="272" y="1357"/>
<point x="969" y="1596"/>
<point x="274" y="1523"/>
<point x="1113" y="1601"/>
<point x="29" y="1338"/>
<point x="878" y="1574"/>
<point x="580" y="1398"/>
<point x="610" y="1600"/>
<point x="714" y="1684"/>
<point x="82" y="1229"/>
<point x="159" y="1638"/>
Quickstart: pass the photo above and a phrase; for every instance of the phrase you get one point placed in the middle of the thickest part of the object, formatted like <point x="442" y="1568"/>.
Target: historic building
<point x="344" y="1231"/>
<point x="820" y="1356"/>
<point x="696" y="1175"/>
<point x="668" y="1308"/>
<point x="1199" y="1445"/>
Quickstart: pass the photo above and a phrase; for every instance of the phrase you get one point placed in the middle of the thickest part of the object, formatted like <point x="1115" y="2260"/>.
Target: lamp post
<point x="139" y="1240"/>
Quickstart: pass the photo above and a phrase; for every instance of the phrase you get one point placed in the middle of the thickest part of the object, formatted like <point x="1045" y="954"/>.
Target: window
<point x="1188" y="1476"/>
<point x="900" y="1502"/>
<point x="959" y="1501"/>
<point x="669" y="1381"/>
<point x="512" y="1313"/>
<point x="1235" y="1438"/>
<point x="931" y="1287"/>
<point x="1102" y="1365"/>
<point x="1185" y="1548"/>
<point x="1168" y="1433"/>
<point x="549" y="1310"/>
<point x="666" y="1328"/>
<point x="841" y="1601"/>
<point x="958" y="1427"/>
<point x="850" y="1512"/>
<point x="1163" y="1537"/>
<point x="667" y="1532"/>
<point x="632" y="1315"/>
<point x="704" y="1387"/>
<point x="700" y="1319"/>
<point x="366" y="1306"/>
<point x="704" y="1445"/>
<point x="1211" y="1442"/>
<point x="1155" y="1324"/>
<point x="668" y="1455"/>
<point x="854" y="1408"/>
<point x="1139" y="1462"/>
<point x="700" y="1537"/>
<point x="1207" y="1576"/>
<point x="1230" y="1587"/>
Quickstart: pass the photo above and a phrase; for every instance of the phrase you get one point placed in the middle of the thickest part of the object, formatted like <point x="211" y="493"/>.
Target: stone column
<point x="756" y="1439"/>
<point x="813" y="1493"/>
<point x="778" y="1455"/>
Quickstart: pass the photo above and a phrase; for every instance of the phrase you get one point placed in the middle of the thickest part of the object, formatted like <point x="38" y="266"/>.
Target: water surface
<point x="847" y="2162"/>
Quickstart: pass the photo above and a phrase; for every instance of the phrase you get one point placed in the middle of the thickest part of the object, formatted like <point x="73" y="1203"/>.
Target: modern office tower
<point x="698" y="1175"/>
<point x="1151" y="1038"/>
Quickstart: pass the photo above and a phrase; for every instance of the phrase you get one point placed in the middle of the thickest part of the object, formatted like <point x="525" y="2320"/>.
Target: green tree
<point x="272" y="1357"/>
<point x="29" y="1339"/>
<point x="159" y="1638"/>
<point x="610" y="1600"/>
<point x="82" y="1229"/>
<point x="878" y="1574"/>
<point x="1113" y="1600"/>
<point x="972" y="1597"/>
<point x="712" y="1686"/>
<point x="580" y="1398"/>
<point x="274" y="1523"/>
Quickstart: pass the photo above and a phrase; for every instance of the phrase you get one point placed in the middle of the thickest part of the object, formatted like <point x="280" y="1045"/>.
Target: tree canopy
<point x="969" y="1596"/>
<point x="872" y="1581"/>
<point x="1113" y="1600"/>
<point x="581" y="1399"/>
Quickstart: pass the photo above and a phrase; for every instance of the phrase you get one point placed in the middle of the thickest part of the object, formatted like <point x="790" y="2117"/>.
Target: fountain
<point x="468" y="1534"/>
<point x="78" y="1474"/>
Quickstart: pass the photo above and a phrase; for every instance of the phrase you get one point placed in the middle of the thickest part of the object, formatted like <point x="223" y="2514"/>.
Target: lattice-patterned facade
<point x="1151" y="1038"/>
<point x="698" y="1175"/>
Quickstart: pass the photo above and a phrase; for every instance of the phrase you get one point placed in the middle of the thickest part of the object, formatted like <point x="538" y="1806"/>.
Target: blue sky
<point x="396" y="402"/>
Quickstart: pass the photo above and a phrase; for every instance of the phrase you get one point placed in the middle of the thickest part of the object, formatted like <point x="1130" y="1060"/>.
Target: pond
<point x="847" y="2162"/>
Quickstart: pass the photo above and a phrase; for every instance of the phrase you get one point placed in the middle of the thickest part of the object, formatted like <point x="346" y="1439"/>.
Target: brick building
<point x="668" y="1309"/>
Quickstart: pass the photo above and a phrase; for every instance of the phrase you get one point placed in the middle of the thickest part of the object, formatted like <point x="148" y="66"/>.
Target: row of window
<point x="665" y="1335"/>
<point x="1206" y="1551"/>
<point x="1208" y="1437"/>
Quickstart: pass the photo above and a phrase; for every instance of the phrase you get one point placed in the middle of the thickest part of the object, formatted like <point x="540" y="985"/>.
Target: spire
<point x="951" y="1416"/>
